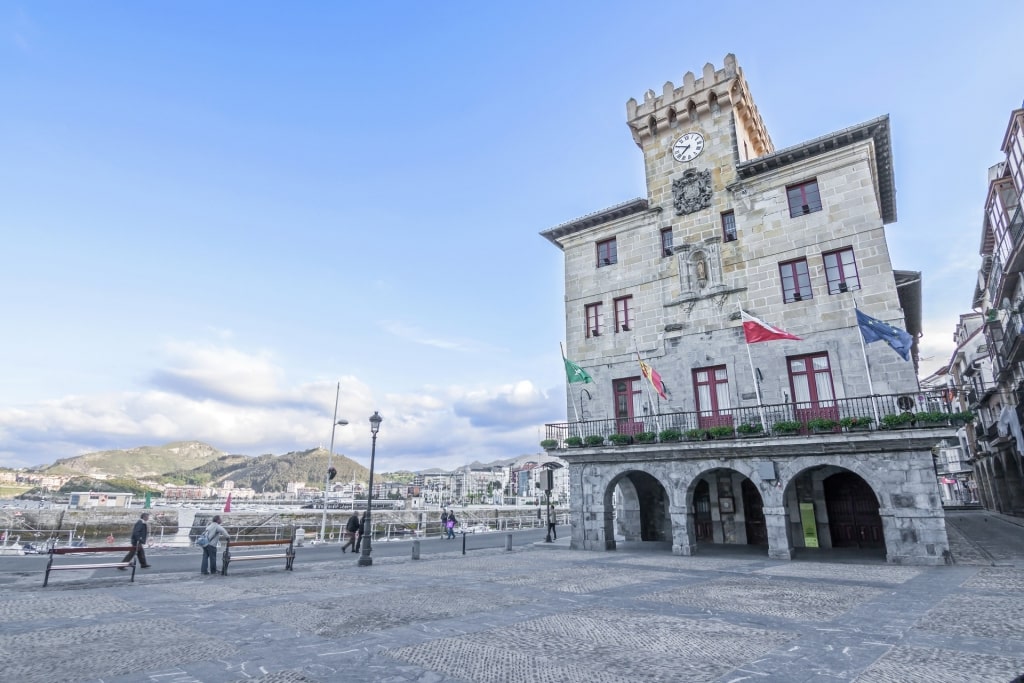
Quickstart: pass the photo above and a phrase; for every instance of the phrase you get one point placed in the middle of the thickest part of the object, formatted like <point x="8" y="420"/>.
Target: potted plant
<point x="931" y="419"/>
<point x="856" y="424"/>
<point x="646" y="437"/>
<point x="749" y="429"/>
<point x="621" y="439"/>
<point x="549" y="444"/>
<point x="574" y="441"/>
<point x="697" y="434"/>
<point x="897" y="420"/>
<point x="786" y="428"/>
<point x="722" y="432"/>
<point x="670" y="435"/>
<point x="962" y="418"/>
<point x="821" y="425"/>
<point x="594" y="440"/>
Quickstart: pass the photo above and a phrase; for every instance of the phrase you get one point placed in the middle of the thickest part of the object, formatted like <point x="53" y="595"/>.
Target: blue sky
<point x="212" y="213"/>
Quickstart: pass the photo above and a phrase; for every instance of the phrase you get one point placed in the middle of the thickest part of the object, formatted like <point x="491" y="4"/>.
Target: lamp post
<point x="330" y="455"/>
<point x="364" y="558"/>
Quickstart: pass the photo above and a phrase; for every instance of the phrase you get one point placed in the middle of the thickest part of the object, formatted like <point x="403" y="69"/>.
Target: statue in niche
<point x="692" y="192"/>
<point x="701" y="267"/>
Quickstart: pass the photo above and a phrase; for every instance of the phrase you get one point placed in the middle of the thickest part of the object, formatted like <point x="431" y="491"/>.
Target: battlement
<point x="709" y="95"/>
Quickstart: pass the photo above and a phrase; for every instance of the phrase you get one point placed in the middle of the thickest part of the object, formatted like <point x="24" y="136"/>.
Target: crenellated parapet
<point x="698" y="98"/>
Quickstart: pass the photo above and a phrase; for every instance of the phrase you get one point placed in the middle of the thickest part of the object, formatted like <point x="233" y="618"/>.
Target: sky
<point x="217" y="217"/>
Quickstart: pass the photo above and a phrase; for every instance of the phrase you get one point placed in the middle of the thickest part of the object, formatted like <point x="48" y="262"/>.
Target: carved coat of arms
<point x="692" y="192"/>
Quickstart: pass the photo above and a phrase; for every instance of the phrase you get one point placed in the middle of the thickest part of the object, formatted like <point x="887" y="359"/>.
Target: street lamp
<point x="330" y="454"/>
<point x="364" y="558"/>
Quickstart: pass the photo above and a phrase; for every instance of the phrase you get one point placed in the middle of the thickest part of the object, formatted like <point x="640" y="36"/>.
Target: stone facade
<point x="665" y="278"/>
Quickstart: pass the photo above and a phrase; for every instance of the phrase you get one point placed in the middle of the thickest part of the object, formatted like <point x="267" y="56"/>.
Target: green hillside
<point x="138" y="463"/>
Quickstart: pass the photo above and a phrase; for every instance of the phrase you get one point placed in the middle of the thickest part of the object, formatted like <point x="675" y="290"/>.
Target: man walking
<point x="140" y="532"/>
<point x="213" y="532"/>
<point x="351" y="529"/>
<point x="359" y="533"/>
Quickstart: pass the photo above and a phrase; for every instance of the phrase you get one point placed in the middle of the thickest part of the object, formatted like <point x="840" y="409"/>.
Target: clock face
<point x="688" y="147"/>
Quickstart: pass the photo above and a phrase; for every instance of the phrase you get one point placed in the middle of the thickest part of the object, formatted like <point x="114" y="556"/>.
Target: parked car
<point x="31" y="549"/>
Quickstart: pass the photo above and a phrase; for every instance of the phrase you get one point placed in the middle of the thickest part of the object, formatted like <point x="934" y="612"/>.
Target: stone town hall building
<point x="796" y="238"/>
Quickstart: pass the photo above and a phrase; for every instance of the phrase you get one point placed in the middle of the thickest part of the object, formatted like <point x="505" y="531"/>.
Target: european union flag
<point x="875" y="330"/>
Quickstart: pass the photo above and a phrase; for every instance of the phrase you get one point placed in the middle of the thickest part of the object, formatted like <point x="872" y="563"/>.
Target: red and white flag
<point x="757" y="330"/>
<point x="227" y="505"/>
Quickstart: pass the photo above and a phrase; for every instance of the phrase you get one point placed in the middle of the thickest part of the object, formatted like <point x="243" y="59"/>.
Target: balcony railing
<point x="867" y="413"/>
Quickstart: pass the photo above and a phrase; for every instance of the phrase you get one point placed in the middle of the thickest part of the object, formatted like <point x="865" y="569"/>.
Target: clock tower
<point x="692" y="138"/>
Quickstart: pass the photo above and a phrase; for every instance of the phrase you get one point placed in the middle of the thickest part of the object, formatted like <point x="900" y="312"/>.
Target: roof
<point x="876" y="130"/>
<point x="633" y="206"/>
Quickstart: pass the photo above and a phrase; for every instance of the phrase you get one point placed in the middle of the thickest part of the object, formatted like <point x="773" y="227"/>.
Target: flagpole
<point x="568" y="392"/>
<point x="867" y="368"/>
<point x="753" y="374"/>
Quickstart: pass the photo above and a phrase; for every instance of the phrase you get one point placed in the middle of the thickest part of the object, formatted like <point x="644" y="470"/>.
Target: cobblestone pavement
<point x="535" y="614"/>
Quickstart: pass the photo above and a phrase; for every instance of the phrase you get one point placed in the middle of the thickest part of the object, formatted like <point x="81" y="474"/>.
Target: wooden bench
<point x="121" y="550"/>
<point x="288" y="555"/>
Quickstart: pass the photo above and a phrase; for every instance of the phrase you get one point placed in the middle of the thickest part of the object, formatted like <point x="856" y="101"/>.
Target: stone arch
<point x="829" y="505"/>
<point x="671" y="117"/>
<point x="652" y="125"/>
<point x="725" y="506"/>
<point x="713" y="105"/>
<point x="637" y="510"/>
<point x="691" y="111"/>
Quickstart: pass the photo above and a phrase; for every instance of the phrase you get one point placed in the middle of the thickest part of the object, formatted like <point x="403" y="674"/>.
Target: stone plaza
<point x="541" y="612"/>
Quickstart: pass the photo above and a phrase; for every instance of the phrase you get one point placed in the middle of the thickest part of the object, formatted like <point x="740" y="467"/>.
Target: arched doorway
<point x="852" y="507"/>
<point x="727" y="509"/>
<point x="702" y="523"/>
<point x="753" y="514"/>
<point x="641" y="510"/>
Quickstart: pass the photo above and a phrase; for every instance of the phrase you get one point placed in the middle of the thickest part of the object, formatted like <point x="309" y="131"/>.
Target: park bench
<point x="288" y="555"/>
<point x="121" y="550"/>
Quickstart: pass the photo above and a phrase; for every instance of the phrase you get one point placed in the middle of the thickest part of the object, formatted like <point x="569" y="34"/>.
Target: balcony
<point x="869" y="414"/>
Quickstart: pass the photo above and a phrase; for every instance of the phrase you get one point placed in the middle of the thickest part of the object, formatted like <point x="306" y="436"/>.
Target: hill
<point x="275" y="472"/>
<point x="138" y="463"/>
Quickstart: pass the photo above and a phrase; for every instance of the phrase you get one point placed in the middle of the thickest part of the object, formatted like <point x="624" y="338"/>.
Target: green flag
<point x="575" y="373"/>
<point x="147" y="500"/>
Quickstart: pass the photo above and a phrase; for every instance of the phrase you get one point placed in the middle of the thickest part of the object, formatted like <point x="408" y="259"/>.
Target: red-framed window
<point x="607" y="253"/>
<point x="666" y="241"/>
<point x="796" y="280"/>
<point x="623" y="313"/>
<point x="628" y="398"/>
<point x="593" y="316"/>
<point x="810" y="378"/>
<point x="803" y="198"/>
<point x="841" y="271"/>
<point x="729" y="226"/>
<point x="711" y="389"/>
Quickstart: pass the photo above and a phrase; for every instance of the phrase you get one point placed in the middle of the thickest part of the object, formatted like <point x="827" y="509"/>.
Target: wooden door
<point x="702" y="512"/>
<point x="853" y="518"/>
<point x="753" y="512"/>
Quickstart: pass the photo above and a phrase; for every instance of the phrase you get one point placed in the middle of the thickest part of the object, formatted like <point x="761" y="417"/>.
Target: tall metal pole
<point x="330" y="454"/>
<point x="364" y="558"/>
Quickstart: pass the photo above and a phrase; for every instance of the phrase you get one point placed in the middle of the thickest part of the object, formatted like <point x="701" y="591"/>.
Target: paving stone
<point x="903" y="664"/>
<point x="777" y="598"/>
<point x="984" y="616"/>
<point x="844" y="572"/>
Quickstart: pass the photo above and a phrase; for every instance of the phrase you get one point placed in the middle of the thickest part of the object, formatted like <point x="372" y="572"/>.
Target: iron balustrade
<point x="767" y="419"/>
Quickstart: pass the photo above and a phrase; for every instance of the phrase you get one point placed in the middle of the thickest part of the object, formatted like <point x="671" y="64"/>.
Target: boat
<point x="11" y="545"/>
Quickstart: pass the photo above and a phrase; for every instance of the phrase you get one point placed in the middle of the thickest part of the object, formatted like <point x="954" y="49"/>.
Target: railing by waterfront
<point x="866" y="413"/>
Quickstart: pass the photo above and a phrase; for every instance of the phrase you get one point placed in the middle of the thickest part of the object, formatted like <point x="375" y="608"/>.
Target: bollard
<point x="508" y="541"/>
<point x="463" y="542"/>
<point x="415" y="550"/>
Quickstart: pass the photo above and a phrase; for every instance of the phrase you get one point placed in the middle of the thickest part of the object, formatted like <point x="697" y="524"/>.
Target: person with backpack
<point x="351" y="529"/>
<point x="450" y="524"/>
<point x="210" y="542"/>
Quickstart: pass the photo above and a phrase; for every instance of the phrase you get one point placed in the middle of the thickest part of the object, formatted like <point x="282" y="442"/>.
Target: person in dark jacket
<point x="351" y="529"/>
<point x="359" y="534"/>
<point x="140" y="532"/>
